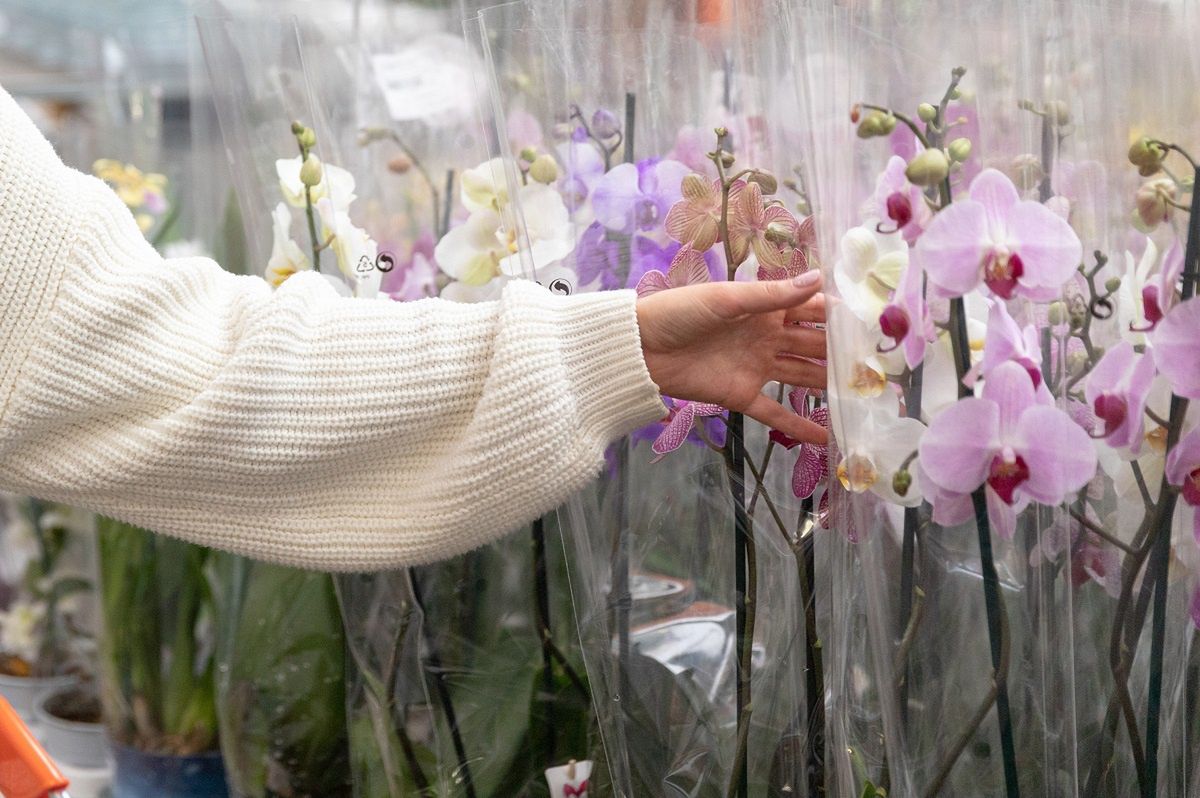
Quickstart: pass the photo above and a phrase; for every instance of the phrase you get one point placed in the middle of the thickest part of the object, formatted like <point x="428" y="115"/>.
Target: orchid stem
<point x="745" y="570"/>
<point x="1161" y="554"/>
<point x="541" y="606"/>
<point x="993" y="601"/>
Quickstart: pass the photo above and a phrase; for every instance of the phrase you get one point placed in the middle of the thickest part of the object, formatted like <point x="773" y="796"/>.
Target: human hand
<point x="722" y="342"/>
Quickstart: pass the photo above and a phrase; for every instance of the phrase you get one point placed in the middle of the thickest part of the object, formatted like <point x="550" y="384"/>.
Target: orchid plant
<point x="957" y="421"/>
<point x="42" y="583"/>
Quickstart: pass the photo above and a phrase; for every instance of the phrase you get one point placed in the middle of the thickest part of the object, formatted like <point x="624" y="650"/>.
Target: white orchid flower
<point x="484" y="188"/>
<point x="868" y="270"/>
<point x="286" y="256"/>
<point x="547" y="226"/>
<point x="353" y="249"/>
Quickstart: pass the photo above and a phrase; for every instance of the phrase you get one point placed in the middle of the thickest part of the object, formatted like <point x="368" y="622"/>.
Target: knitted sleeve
<point x="290" y="425"/>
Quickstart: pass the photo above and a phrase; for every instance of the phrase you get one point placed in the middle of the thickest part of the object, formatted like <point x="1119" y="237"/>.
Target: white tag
<point x="431" y="81"/>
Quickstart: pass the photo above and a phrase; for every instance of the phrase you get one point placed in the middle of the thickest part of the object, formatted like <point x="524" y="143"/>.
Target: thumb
<point x="769" y="295"/>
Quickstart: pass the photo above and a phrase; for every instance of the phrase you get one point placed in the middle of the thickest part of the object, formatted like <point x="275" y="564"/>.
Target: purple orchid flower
<point x="1018" y="449"/>
<point x="1007" y="342"/>
<point x="906" y="318"/>
<point x="1194" y="608"/>
<point x="583" y="166"/>
<point x="681" y="416"/>
<point x="1176" y="342"/>
<point x="1117" y="390"/>
<point x="633" y="197"/>
<point x="1183" y="471"/>
<point x="901" y="202"/>
<point x="598" y="257"/>
<point x="1013" y="246"/>
<point x="812" y="462"/>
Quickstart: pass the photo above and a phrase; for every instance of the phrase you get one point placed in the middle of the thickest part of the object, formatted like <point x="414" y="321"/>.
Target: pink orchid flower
<point x="680" y="418"/>
<point x="695" y="219"/>
<point x="1176" y="342"/>
<point x="1158" y="296"/>
<point x="812" y="464"/>
<point x="1117" y="390"/>
<point x="1006" y="342"/>
<point x="1018" y="449"/>
<point x="1015" y="247"/>
<point x="750" y="220"/>
<point x="1195" y="606"/>
<point x="688" y="267"/>
<point x="906" y="319"/>
<point x="901" y="202"/>
<point x="1183" y="471"/>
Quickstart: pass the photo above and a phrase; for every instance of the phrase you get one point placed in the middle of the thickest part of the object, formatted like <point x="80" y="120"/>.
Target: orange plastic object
<point x="25" y="769"/>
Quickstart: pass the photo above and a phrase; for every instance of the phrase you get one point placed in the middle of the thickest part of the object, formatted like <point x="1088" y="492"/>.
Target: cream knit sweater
<point x="290" y="425"/>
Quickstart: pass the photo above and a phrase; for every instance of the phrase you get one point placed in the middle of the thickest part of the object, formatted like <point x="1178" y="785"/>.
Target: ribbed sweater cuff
<point x="602" y="352"/>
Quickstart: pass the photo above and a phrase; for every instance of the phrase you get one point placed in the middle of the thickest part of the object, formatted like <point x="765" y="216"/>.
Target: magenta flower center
<point x="1150" y="307"/>
<point x="1005" y="475"/>
<point x="1001" y="273"/>
<point x="894" y="322"/>
<point x="1191" y="488"/>
<point x="1112" y="410"/>
<point x="899" y="208"/>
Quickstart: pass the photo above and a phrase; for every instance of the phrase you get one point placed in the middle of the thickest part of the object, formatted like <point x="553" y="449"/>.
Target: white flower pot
<point x="23" y="691"/>
<point x="82" y="745"/>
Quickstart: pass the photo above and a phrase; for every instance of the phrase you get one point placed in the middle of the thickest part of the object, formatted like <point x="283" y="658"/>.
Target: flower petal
<point x="1184" y="458"/>
<point x="676" y="431"/>
<point x="958" y="447"/>
<point x="1176" y="342"/>
<point x="995" y="192"/>
<point x="1058" y="453"/>
<point x="1049" y="249"/>
<point x="652" y="282"/>
<point x="952" y="249"/>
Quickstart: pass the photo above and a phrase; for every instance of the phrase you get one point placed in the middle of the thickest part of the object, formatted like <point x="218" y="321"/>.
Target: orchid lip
<point x="1005" y="476"/>
<point x="1002" y="272"/>
<point x="1191" y="489"/>
<point x="1112" y="410"/>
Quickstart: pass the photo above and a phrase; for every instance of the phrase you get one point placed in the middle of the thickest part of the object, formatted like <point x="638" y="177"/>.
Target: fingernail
<point x="806" y="279"/>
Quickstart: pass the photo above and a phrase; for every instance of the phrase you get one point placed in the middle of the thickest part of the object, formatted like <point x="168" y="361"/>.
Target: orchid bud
<point x="605" y="125"/>
<point x="959" y="149"/>
<point x="544" y="169"/>
<point x="1076" y="363"/>
<point x="955" y="94"/>
<point x="1059" y="112"/>
<point x="307" y="138"/>
<point x="310" y="171"/>
<point x="876" y="124"/>
<point x="855" y="113"/>
<point x="928" y="168"/>
<point x="765" y="180"/>
<point x="901" y="482"/>
<point x="1153" y="201"/>
<point x="1112" y="284"/>
<point x="727" y="159"/>
<point x="926" y="112"/>
<point x="1056" y="314"/>
<point x="297" y="128"/>
<point x="721" y="132"/>
<point x="528" y="154"/>
<point x="1025" y="105"/>
<point x="1146" y="155"/>
<point x="400" y="164"/>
